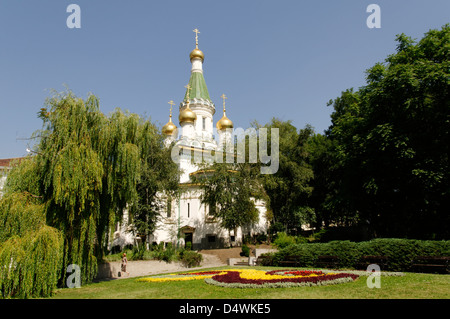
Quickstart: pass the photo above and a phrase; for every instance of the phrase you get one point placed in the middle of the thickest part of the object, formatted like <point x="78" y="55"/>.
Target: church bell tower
<point x="197" y="100"/>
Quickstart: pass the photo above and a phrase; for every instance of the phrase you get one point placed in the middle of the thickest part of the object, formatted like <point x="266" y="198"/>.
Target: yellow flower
<point x="262" y="275"/>
<point x="176" y="277"/>
<point x="163" y="279"/>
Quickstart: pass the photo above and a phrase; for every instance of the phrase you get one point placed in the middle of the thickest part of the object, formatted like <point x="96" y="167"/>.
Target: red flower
<point x="295" y="272"/>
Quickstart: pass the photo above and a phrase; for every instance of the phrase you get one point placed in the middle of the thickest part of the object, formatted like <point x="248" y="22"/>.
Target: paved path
<point x="152" y="267"/>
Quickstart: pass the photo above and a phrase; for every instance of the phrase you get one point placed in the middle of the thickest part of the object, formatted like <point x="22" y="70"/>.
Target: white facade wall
<point x="192" y="217"/>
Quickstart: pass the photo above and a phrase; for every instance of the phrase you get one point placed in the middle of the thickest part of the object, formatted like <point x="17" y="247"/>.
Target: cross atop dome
<point x="224" y="98"/>
<point x="196" y="37"/>
<point x="172" y="103"/>
<point x="170" y="129"/>
<point x="196" y="53"/>
<point x="224" y="122"/>
<point x="187" y="115"/>
<point x="188" y="89"/>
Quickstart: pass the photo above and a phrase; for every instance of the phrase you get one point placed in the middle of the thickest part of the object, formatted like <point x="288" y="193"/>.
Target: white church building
<point x="186" y="219"/>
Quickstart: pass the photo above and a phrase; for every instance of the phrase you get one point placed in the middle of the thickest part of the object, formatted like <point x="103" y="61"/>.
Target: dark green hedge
<point x="400" y="252"/>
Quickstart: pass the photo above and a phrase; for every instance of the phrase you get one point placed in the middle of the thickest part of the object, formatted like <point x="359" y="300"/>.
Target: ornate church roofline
<point x="197" y="103"/>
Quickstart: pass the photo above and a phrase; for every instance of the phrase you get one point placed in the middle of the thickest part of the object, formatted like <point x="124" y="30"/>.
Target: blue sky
<point x="282" y="58"/>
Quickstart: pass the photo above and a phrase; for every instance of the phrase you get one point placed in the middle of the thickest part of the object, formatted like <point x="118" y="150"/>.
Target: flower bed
<point x="252" y="278"/>
<point x="274" y="279"/>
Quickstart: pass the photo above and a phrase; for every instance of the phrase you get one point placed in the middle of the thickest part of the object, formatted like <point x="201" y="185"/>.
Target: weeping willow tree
<point x="85" y="168"/>
<point x="31" y="251"/>
<point x="90" y="165"/>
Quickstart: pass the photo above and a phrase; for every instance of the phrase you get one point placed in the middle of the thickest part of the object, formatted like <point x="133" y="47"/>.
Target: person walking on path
<point x="124" y="264"/>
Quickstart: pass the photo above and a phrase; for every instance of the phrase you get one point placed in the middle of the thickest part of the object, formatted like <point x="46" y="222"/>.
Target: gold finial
<point x="224" y="122"/>
<point x="224" y="98"/>
<point x="187" y="115"/>
<point x="196" y="37"/>
<point x="171" y="105"/>
<point x="169" y="128"/>
<point x="196" y="53"/>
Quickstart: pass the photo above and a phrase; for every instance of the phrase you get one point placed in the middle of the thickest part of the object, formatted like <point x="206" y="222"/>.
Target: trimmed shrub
<point x="191" y="258"/>
<point x="268" y="261"/>
<point x="283" y="240"/>
<point x="347" y="252"/>
<point x="245" y="251"/>
<point x="400" y="252"/>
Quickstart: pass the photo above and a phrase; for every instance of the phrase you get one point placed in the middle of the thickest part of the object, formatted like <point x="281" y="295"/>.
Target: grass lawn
<point x="410" y="286"/>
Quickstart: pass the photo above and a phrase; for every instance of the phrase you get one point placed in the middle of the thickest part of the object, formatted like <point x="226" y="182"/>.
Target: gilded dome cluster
<point x="189" y="116"/>
<point x="186" y="114"/>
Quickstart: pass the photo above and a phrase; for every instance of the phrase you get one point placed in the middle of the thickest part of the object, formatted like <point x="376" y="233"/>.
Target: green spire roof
<point x="198" y="87"/>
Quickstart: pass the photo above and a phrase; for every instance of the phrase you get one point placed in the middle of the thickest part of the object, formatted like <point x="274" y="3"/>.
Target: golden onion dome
<point x="169" y="128"/>
<point x="224" y="123"/>
<point x="187" y="115"/>
<point x="196" y="53"/>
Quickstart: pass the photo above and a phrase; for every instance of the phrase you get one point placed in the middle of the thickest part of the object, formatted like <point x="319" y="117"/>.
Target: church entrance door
<point x="188" y="238"/>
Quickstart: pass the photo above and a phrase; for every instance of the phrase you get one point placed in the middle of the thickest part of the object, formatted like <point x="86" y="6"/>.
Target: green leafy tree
<point x="330" y="206"/>
<point x="289" y="189"/>
<point x="231" y="189"/>
<point x="392" y="137"/>
<point x="89" y="166"/>
<point x="30" y="251"/>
